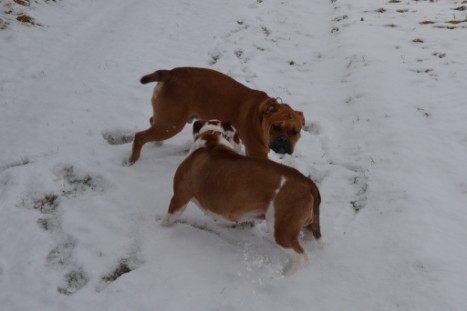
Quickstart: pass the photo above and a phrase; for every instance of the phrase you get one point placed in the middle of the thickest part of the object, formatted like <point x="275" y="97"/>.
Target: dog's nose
<point x="281" y="145"/>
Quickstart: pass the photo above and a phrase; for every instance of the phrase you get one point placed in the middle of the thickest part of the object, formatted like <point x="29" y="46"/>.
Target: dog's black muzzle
<point x="281" y="145"/>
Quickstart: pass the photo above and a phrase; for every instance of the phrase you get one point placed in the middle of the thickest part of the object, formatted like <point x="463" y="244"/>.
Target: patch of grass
<point x="25" y="19"/>
<point x="427" y="23"/>
<point x="455" y="22"/>
<point x="381" y="10"/>
<point x="418" y="40"/>
<point x="121" y="269"/>
<point x="46" y="205"/>
<point x="22" y="2"/>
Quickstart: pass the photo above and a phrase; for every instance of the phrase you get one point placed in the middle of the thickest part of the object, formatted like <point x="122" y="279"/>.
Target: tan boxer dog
<point x="186" y="93"/>
<point x="237" y="188"/>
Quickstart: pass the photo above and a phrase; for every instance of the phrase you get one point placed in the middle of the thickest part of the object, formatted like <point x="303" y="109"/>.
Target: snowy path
<point x="385" y="139"/>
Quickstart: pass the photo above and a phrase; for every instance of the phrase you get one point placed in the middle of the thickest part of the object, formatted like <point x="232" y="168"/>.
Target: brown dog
<point x="238" y="188"/>
<point x="186" y="93"/>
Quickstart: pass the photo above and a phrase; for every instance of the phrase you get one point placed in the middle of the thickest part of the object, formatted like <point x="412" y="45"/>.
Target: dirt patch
<point x="25" y="19"/>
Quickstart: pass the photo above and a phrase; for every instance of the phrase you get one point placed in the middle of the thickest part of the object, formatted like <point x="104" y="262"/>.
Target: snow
<point x="386" y="141"/>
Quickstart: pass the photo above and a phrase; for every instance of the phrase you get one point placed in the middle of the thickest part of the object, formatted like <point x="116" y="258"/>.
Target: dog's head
<point x="215" y="132"/>
<point x="282" y="125"/>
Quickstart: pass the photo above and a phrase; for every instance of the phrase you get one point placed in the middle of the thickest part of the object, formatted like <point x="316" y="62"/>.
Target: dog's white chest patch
<point x="198" y="144"/>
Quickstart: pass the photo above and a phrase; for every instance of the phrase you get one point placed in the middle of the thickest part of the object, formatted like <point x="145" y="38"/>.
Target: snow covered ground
<point x="382" y="84"/>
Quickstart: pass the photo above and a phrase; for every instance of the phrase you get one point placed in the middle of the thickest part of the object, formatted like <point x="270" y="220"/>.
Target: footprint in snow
<point x="61" y="255"/>
<point x="73" y="281"/>
<point x="360" y="182"/>
<point x="118" y="136"/>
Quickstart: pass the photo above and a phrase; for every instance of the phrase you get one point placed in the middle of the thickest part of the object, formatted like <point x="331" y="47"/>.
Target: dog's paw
<point x="167" y="221"/>
<point x="320" y="244"/>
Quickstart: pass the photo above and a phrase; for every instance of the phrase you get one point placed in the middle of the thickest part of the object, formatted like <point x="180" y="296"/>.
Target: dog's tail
<point x="157" y="76"/>
<point x="315" y="226"/>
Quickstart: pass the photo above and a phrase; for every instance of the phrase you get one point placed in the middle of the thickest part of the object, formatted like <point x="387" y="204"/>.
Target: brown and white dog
<point x="238" y="188"/>
<point x="185" y="93"/>
<point x="227" y="131"/>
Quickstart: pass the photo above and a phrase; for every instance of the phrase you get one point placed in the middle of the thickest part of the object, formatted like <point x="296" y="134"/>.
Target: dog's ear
<point x="269" y="107"/>
<point x="197" y="126"/>
<point x="227" y="127"/>
<point x="301" y="116"/>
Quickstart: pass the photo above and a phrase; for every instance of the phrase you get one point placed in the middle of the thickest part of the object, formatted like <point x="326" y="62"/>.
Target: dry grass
<point x="455" y="22"/>
<point x="22" y="2"/>
<point x="427" y="23"/>
<point x="46" y="205"/>
<point x="25" y="19"/>
<point x="17" y="11"/>
<point x="118" y="272"/>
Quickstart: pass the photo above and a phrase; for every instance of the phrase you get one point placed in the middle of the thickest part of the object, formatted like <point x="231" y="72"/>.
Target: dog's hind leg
<point x="296" y="261"/>
<point x="182" y="194"/>
<point x="286" y="237"/>
<point x="156" y="132"/>
<point x="176" y="208"/>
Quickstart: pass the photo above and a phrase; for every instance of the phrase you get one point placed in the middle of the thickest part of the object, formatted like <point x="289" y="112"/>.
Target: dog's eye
<point x="293" y="133"/>
<point x="276" y="128"/>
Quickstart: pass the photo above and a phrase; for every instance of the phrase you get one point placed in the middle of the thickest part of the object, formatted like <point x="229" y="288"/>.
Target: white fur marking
<point x="227" y="136"/>
<point x="296" y="261"/>
<point x="270" y="218"/>
<point x="198" y="144"/>
<point x="283" y="180"/>
<point x="210" y="127"/>
<point x="271" y="211"/>
<point x="226" y="143"/>
<point x="169" y="218"/>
